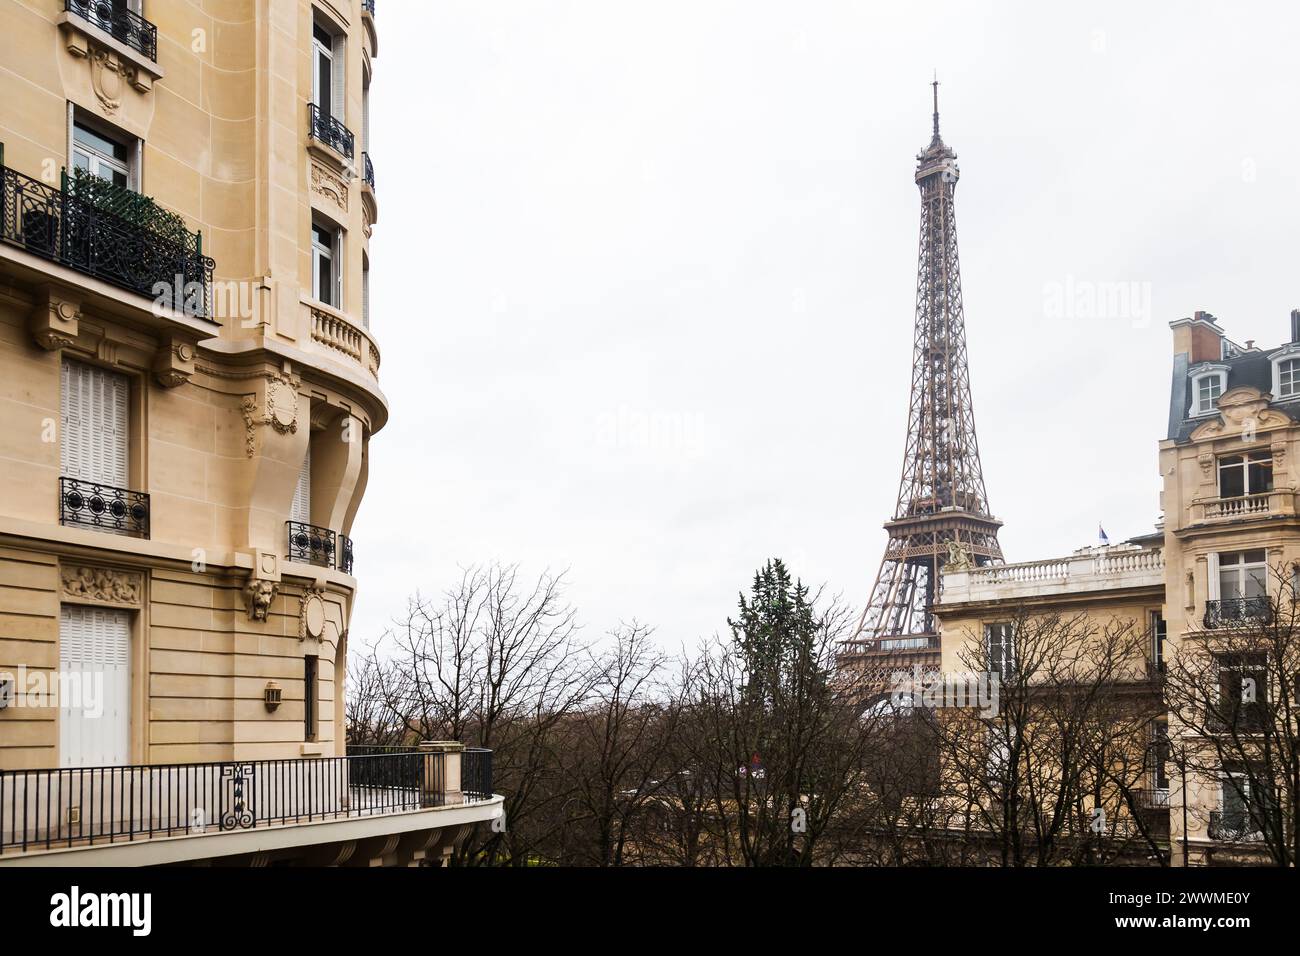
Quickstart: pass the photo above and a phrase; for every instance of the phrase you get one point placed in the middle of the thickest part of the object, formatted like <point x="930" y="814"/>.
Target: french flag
<point x="1101" y="535"/>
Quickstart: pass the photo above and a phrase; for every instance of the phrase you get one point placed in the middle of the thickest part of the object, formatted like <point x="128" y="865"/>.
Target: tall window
<point x="327" y="90"/>
<point x="1243" y="691"/>
<point x="102" y="155"/>
<point x="365" y="290"/>
<point x="310" y="697"/>
<point x="1160" y="755"/>
<point x="93" y="437"/>
<point x="999" y="641"/>
<point x="1158" y="632"/>
<point x="300" y="509"/>
<point x="326" y="263"/>
<point x="1247" y="805"/>
<point x="1247" y="474"/>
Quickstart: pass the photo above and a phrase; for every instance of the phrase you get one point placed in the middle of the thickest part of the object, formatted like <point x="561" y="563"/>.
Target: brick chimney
<point x="1295" y="325"/>
<point x="1200" y="337"/>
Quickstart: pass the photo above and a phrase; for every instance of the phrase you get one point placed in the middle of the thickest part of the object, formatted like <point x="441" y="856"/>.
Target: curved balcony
<point x="337" y="337"/>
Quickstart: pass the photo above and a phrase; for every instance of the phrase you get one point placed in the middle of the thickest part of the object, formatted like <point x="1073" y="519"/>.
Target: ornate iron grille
<point x="310" y="544"/>
<point x="122" y="24"/>
<point x="87" y="504"/>
<point x="345" y="554"/>
<point x="368" y="6"/>
<point x="325" y="128"/>
<point x="368" y="170"/>
<point x="1250" y="610"/>
<point x="76" y="226"/>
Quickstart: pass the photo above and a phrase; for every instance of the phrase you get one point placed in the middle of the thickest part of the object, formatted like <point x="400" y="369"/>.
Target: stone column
<point x="441" y="777"/>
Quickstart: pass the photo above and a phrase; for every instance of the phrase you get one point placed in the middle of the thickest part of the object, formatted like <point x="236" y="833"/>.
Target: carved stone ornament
<point x="258" y="596"/>
<point x="311" y="615"/>
<point x="281" y="412"/>
<point x="101" y="585"/>
<point x="1243" y="412"/>
<point x="1206" y="461"/>
<point x="325" y="183"/>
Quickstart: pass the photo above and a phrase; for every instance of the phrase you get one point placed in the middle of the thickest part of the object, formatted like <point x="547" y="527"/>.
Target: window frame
<point x="333" y="253"/>
<point x="1004" y="665"/>
<point x="1283" y="356"/>
<point x="311" y="698"/>
<point x="1207" y="373"/>
<point x="1261" y="459"/>
<point x="95" y="157"/>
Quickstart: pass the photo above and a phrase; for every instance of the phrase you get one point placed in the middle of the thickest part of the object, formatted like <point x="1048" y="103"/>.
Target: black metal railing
<point x="88" y="504"/>
<point x="74" y="807"/>
<point x="74" y="225"/>
<point x="368" y="170"/>
<point x="325" y="128"/>
<point x="345" y="554"/>
<point x="310" y="544"/>
<point x="476" y="774"/>
<point x="1233" y="827"/>
<point x="1245" y="610"/>
<point x="368" y="6"/>
<point x="119" y="22"/>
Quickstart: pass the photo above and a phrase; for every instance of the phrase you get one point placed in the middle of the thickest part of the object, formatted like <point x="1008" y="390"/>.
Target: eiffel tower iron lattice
<point x="942" y="515"/>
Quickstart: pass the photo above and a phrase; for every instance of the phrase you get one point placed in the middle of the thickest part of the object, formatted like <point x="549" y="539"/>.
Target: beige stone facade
<point x="247" y="387"/>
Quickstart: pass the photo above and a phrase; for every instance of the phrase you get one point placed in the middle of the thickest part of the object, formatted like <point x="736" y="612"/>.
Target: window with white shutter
<point x="94" y="687"/>
<point x="94" y="435"/>
<point x="300" y="510"/>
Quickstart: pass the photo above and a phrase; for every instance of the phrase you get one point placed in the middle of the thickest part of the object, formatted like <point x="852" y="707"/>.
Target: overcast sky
<point x="644" y="275"/>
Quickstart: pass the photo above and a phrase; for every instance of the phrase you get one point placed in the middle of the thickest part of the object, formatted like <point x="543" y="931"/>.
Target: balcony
<point x="117" y="21"/>
<point x="309" y="544"/>
<point x="98" y="807"/>
<point x="1230" y="612"/>
<point x="1233" y="828"/>
<point x="325" y="129"/>
<point x="109" y="233"/>
<point x="1108" y="568"/>
<point x="368" y="6"/>
<point x="1262" y="504"/>
<point x="87" y="504"/>
<point x="368" y="173"/>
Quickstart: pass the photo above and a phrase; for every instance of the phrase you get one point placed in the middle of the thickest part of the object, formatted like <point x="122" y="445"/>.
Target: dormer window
<point x="1286" y="373"/>
<point x="1207" y="385"/>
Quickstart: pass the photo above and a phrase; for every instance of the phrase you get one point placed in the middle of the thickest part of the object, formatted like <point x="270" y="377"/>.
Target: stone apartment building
<point x="1206" y="590"/>
<point x="190" y="385"/>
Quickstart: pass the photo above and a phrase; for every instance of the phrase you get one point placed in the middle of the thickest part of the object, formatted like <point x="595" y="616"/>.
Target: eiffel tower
<point x="942" y="515"/>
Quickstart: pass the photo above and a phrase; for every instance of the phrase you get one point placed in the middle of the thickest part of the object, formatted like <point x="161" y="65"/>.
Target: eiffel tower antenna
<point x="942" y="511"/>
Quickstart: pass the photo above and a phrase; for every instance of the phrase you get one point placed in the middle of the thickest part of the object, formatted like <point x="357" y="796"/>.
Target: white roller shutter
<point x="94" y="437"/>
<point x="339" y="93"/>
<point x="95" y="688"/>
<point x="300" y="510"/>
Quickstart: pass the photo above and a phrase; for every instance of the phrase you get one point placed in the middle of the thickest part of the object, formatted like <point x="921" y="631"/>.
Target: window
<point x="1288" y="378"/>
<point x="999" y="641"/>
<point x="95" y="699"/>
<point x="1242" y="575"/>
<point x="1207" y="386"/>
<point x="1160" y="756"/>
<point x="93" y="434"/>
<point x="327" y="263"/>
<point x="1248" y="474"/>
<point x="102" y="155"/>
<point x="1243" y="691"/>
<point x="365" y="291"/>
<point x="1158" y="633"/>
<point x="310" y="698"/>
<point x="327" y="78"/>
<point x="1247" y="804"/>
<point x="300" y="509"/>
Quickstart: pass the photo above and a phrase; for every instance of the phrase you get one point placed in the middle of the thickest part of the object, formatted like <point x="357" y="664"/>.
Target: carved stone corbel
<point x="54" y="318"/>
<point x="174" y="363"/>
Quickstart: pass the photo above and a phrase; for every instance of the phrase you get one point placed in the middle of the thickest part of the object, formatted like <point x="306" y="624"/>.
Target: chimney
<point x="1295" y="325"/>
<point x="1199" y="337"/>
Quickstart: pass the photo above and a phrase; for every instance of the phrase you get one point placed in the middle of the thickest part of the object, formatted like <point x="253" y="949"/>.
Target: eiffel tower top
<point x="937" y="158"/>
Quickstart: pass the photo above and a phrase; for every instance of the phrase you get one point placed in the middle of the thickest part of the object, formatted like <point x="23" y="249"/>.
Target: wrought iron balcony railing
<point x="368" y="170"/>
<point x="124" y="25"/>
<point x="1233" y="827"/>
<point x="87" y="504"/>
<point x="310" y="544"/>
<point x="92" y="806"/>
<point x="109" y="233"/>
<point x="1243" y="610"/>
<point x="323" y="127"/>
<point x="345" y="554"/>
<point x="368" y="6"/>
